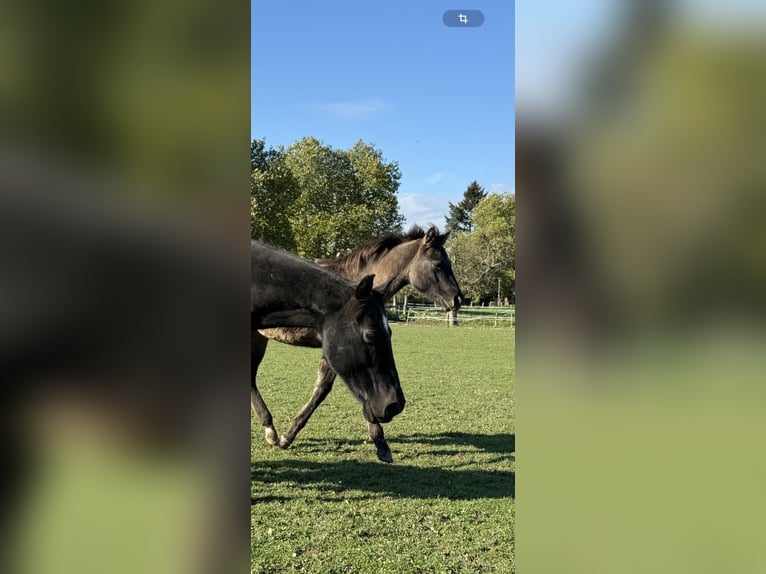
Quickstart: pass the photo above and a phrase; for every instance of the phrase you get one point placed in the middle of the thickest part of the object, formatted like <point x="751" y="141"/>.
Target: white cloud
<point x="423" y="209"/>
<point x="359" y="110"/>
<point x="502" y="188"/>
<point x="435" y="178"/>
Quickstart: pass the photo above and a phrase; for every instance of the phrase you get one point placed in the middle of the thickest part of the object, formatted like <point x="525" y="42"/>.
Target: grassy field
<point x="446" y="504"/>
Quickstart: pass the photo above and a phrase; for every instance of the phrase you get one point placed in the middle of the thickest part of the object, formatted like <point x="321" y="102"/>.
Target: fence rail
<point x="479" y="316"/>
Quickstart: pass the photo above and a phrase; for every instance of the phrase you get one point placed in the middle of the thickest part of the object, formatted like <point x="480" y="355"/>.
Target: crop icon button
<point x="463" y="18"/>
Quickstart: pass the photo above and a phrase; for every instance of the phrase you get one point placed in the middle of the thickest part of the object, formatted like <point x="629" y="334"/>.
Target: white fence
<point x="486" y="316"/>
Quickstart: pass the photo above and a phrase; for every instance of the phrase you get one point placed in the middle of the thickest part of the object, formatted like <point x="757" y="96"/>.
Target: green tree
<point x="345" y="198"/>
<point x="318" y="201"/>
<point x="376" y="182"/>
<point x="487" y="254"/>
<point x="495" y="221"/>
<point x="273" y="191"/>
<point x="262" y="158"/>
<point x="460" y="215"/>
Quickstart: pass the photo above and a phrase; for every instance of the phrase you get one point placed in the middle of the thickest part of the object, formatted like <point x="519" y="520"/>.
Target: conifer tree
<point x="460" y="215"/>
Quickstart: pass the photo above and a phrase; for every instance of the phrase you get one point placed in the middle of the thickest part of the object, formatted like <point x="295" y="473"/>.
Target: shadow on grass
<point x="497" y="443"/>
<point x="501" y="443"/>
<point x="374" y="477"/>
<point x="461" y="443"/>
<point x="399" y="480"/>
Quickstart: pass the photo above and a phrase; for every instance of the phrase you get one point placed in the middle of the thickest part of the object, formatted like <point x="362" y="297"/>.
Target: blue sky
<point x="438" y="100"/>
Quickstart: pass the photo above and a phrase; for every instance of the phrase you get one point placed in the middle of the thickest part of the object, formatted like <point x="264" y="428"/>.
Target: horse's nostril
<point x="393" y="409"/>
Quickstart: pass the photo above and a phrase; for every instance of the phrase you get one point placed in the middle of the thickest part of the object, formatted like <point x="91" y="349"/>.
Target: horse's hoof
<point x="271" y="437"/>
<point x="284" y="442"/>
<point x="384" y="455"/>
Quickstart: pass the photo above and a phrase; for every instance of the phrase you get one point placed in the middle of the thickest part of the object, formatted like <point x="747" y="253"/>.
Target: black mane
<point x="362" y="256"/>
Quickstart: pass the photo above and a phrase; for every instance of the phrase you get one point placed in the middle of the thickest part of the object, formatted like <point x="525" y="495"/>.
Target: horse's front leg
<point x="376" y="434"/>
<point x="257" y="350"/>
<point x="325" y="379"/>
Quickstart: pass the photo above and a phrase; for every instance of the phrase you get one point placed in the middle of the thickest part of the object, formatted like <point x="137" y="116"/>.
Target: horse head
<point x="361" y="353"/>
<point x="431" y="271"/>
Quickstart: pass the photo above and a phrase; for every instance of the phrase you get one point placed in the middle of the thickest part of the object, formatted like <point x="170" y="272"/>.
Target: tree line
<point x="482" y="244"/>
<point x="318" y="201"/>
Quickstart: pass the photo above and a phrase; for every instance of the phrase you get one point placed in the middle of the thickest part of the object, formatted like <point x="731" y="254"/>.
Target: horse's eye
<point x="368" y="336"/>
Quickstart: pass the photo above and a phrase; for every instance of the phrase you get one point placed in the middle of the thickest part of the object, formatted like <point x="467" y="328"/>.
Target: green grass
<point x="446" y="504"/>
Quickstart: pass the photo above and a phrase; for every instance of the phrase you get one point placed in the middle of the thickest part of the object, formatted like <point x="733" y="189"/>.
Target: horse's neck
<point x="392" y="269"/>
<point x="301" y="307"/>
<point x="327" y="294"/>
<point x="302" y="290"/>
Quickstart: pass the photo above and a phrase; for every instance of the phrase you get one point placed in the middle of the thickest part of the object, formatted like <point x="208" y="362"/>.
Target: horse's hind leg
<point x="376" y="434"/>
<point x="325" y="379"/>
<point x="257" y="350"/>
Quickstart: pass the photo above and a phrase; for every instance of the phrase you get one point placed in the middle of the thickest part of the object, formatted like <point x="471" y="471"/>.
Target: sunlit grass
<point x="446" y="504"/>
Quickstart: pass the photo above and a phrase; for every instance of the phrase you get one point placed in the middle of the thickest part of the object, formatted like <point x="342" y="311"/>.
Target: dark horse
<point x="287" y="291"/>
<point x="417" y="258"/>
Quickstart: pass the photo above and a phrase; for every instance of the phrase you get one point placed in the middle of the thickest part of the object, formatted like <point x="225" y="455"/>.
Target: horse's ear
<point x="364" y="289"/>
<point x="443" y="237"/>
<point x="431" y="235"/>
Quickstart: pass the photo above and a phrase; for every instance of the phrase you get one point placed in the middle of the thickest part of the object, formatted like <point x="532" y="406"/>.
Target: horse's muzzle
<point x="455" y="304"/>
<point x="392" y="410"/>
